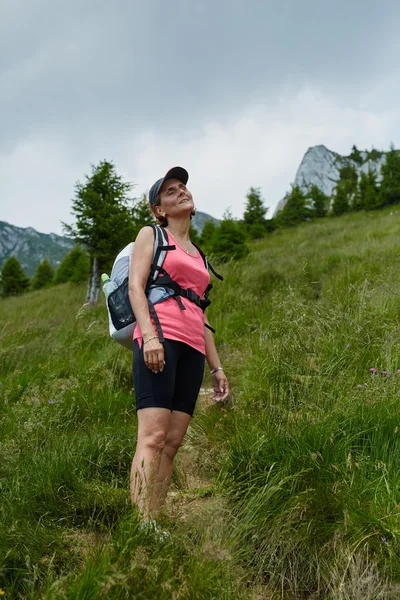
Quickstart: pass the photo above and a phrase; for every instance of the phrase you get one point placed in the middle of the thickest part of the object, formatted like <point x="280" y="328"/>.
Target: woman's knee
<point x="154" y="440"/>
<point x="172" y="446"/>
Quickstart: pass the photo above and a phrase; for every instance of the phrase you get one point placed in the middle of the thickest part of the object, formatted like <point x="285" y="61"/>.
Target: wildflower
<point x="50" y="401"/>
<point x="384" y="373"/>
<point x="398" y="372"/>
<point x="372" y="370"/>
<point x="347" y="346"/>
<point x="2" y="592"/>
<point x="384" y="540"/>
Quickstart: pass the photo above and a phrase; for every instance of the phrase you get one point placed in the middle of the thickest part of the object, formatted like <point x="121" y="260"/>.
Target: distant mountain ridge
<point x="321" y="167"/>
<point x="31" y="247"/>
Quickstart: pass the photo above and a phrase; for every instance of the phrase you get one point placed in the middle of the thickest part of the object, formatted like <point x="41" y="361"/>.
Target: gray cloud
<point x="130" y="62"/>
<point x="88" y="80"/>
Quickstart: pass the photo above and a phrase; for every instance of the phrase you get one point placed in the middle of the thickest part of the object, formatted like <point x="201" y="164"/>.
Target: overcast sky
<point x="235" y="91"/>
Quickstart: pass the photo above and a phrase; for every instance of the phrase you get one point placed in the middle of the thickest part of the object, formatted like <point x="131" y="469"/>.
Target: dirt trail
<point x="192" y="491"/>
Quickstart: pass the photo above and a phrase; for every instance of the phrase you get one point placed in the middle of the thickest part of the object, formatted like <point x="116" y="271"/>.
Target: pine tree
<point x="358" y="201"/>
<point x="75" y="267"/>
<point x="348" y="181"/>
<point x="367" y="197"/>
<point x="43" y="276"/>
<point x="346" y="190"/>
<point x="228" y="243"/>
<point x="340" y="203"/>
<point x="254" y="215"/>
<point x="271" y="224"/>
<point x="13" y="279"/>
<point x="390" y="185"/>
<point x="207" y="235"/>
<point x="374" y="154"/>
<point x="295" y="210"/>
<point x="142" y="215"/>
<point x="320" y="202"/>
<point x="104" y="220"/>
<point x="356" y="155"/>
<point x="80" y="268"/>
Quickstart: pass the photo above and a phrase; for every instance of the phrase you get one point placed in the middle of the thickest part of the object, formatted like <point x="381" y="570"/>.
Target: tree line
<point x="107" y="218"/>
<point x="74" y="267"/>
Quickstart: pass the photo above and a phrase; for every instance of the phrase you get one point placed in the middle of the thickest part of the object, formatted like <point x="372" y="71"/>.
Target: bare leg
<point x="177" y="427"/>
<point x="153" y="425"/>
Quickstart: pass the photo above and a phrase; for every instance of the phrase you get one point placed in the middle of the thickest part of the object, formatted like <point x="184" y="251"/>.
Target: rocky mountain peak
<point x="321" y="167"/>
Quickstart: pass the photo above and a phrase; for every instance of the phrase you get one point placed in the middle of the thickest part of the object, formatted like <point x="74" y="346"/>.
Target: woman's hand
<point x="153" y="354"/>
<point x="220" y="386"/>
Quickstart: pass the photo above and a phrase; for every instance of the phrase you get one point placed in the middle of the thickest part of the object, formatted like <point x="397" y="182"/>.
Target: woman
<point x="167" y="377"/>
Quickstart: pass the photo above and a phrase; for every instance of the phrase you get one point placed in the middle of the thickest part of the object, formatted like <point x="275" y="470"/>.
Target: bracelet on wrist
<point x="153" y="337"/>
<point x="215" y="370"/>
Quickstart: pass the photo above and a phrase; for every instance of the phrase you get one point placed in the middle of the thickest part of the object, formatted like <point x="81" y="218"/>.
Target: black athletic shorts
<point x="178" y="386"/>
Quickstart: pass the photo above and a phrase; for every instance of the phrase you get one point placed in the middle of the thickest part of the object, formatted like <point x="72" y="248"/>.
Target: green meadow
<point x="290" y="490"/>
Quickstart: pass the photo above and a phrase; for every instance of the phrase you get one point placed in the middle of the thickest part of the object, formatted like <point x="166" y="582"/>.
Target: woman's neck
<point x="179" y="227"/>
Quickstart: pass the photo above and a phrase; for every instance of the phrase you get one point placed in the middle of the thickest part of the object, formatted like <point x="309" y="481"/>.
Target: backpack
<point x="160" y="286"/>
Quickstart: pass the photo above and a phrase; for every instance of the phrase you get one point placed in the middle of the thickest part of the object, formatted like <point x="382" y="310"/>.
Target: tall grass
<point x="302" y="463"/>
<point x="311" y="465"/>
<point x="68" y="432"/>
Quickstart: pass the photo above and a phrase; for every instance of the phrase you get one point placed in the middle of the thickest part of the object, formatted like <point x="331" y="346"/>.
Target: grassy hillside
<point x="290" y="490"/>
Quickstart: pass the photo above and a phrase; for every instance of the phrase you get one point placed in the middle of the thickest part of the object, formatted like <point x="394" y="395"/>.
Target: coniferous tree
<point x="367" y="197"/>
<point x="320" y="202"/>
<point x="207" y="235"/>
<point x="348" y="180"/>
<point x="271" y="224"/>
<point x="254" y="215"/>
<point x="372" y="198"/>
<point x="295" y="210"/>
<point x="340" y="203"/>
<point x="346" y="190"/>
<point x="358" y="201"/>
<point x="43" y="276"/>
<point x="13" y="279"/>
<point x="75" y="267"/>
<point x="80" y="268"/>
<point x="374" y="154"/>
<point x="142" y="215"/>
<point x="104" y="220"/>
<point x="356" y="155"/>
<point x="228" y="243"/>
<point x="390" y="184"/>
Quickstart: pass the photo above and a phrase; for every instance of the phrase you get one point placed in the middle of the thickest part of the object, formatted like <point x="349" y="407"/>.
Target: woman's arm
<point x="220" y="382"/>
<point x="142" y="256"/>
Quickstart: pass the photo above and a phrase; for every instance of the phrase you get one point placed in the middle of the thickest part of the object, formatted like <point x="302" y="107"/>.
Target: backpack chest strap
<point x="166" y="281"/>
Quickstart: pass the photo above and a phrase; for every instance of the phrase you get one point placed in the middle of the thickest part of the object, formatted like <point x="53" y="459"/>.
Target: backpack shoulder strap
<point x="207" y="264"/>
<point x="161" y="247"/>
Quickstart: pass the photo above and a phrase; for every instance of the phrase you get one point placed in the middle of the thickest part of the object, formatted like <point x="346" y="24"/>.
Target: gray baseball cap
<point x="178" y="173"/>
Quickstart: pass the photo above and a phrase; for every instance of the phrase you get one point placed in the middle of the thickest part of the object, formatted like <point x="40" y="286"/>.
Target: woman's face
<point x="175" y="199"/>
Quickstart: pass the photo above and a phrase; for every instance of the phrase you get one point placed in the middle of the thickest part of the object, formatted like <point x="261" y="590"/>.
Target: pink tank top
<point x="182" y="325"/>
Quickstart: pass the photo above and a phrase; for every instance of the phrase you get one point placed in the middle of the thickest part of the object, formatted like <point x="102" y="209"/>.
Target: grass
<point x="289" y="490"/>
